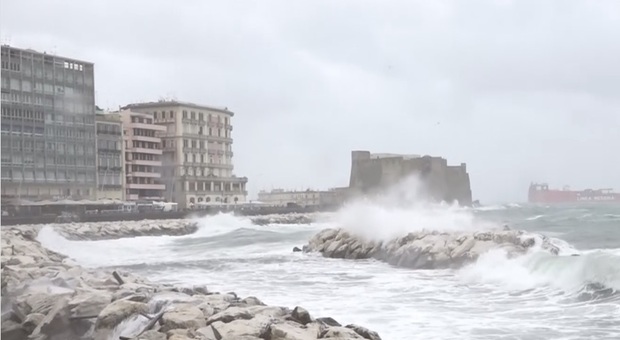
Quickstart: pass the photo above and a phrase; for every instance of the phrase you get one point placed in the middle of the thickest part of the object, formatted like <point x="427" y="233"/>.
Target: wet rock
<point x="89" y="303"/>
<point x="56" y="299"/>
<point x="32" y="321"/>
<point x="56" y="322"/>
<point x="117" y="311"/>
<point x="180" y="333"/>
<point x="328" y="321"/>
<point x="208" y="333"/>
<point x="296" y="249"/>
<point x="252" y="301"/>
<point x="339" y="333"/>
<point x="364" y="332"/>
<point x="12" y="330"/>
<point x="257" y="327"/>
<point x="301" y="315"/>
<point x="184" y="317"/>
<point x="424" y="249"/>
<point x="151" y="335"/>
<point x="289" y="330"/>
<point x="230" y="314"/>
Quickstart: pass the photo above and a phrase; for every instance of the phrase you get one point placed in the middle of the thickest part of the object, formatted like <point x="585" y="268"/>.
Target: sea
<point x="533" y="296"/>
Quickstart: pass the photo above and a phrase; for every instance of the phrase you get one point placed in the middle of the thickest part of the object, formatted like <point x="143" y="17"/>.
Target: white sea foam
<point x="400" y="210"/>
<point x="527" y="297"/>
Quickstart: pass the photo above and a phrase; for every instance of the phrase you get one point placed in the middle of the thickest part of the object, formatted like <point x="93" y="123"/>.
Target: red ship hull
<point x="540" y="193"/>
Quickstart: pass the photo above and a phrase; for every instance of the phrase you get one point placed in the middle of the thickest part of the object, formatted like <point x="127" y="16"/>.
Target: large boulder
<point x="340" y="333"/>
<point x="118" y="311"/>
<point x="364" y="332"/>
<point x="257" y="326"/>
<point x="183" y="317"/>
<point x="290" y="330"/>
<point x="89" y="303"/>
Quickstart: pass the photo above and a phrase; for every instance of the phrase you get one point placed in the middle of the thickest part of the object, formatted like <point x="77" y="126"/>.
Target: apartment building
<point x="197" y="153"/>
<point x="48" y="126"/>
<point x="143" y="157"/>
<point x="110" y="156"/>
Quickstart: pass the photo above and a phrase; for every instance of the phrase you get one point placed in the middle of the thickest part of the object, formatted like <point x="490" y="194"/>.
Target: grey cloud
<point x="520" y="90"/>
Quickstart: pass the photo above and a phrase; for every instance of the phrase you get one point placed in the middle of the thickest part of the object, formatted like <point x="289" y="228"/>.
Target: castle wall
<point x="440" y="181"/>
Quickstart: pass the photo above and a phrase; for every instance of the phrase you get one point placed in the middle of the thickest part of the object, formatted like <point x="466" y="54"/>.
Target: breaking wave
<point x="595" y="273"/>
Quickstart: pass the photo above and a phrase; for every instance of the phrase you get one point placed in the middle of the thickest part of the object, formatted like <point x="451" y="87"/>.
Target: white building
<point x="307" y="198"/>
<point x="197" y="153"/>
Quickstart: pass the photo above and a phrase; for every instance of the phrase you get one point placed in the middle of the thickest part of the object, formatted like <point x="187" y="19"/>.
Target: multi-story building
<point x="197" y="144"/>
<point x="304" y="198"/>
<point x="143" y="157"/>
<point x="110" y="156"/>
<point x="48" y="126"/>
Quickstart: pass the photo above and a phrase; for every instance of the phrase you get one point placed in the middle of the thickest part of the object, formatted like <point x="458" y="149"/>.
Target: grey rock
<point x="183" y="317"/>
<point x="328" y="321"/>
<point x="32" y="321"/>
<point x="12" y="330"/>
<point x="301" y="315"/>
<point x="151" y="335"/>
<point x="364" y="332"/>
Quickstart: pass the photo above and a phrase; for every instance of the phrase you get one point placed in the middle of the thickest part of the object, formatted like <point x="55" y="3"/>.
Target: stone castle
<point x="372" y="173"/>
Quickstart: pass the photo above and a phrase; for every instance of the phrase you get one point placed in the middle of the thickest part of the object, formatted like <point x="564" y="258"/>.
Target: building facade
<point x="110" y="156"/>
<point x="143" y="157"/>
<point x="197" y="153"/>
<point x="48" y="126"/>
<point x="305" y="198"/>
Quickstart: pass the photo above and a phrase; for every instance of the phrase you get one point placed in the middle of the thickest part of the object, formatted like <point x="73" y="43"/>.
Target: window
<point x="184" y="114"/>
<point x="185" y="143"/>
<point x="186" y="158"/>
<point x="201" y="116"/>
<point x="193" y="115"/>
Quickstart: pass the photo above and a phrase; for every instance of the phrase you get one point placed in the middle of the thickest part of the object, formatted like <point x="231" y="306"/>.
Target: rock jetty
<point x="426" y="249"/>
<point x="46" y="296"/>
<point x="114" y="230"/>
<point x="306" y="218"/>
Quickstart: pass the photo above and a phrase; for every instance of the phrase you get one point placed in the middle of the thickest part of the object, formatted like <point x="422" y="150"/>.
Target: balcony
<point x="145" y="150"/>
<point x="147" y="139"/>
<point x="144" y="174"/>
<point x="220" y="139"/>
<point x="150" y="127"/>
<point x="146" y="186"/>
<point x="143" y="162"/>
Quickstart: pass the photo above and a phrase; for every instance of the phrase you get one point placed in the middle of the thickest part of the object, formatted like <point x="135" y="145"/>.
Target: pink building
<point x="143" y="153"/>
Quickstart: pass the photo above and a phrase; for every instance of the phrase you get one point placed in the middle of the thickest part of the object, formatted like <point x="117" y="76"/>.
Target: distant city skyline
<point x="533" y="99"/>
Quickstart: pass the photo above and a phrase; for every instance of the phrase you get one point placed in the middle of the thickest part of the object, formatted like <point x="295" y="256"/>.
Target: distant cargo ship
<point x="540" y="193"/>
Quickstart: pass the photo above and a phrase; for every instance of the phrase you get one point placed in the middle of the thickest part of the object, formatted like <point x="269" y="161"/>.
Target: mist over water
<point x="534" y="296"/>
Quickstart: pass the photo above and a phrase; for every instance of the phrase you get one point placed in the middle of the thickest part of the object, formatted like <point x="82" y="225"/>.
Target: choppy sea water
<point x="535" y="296"/>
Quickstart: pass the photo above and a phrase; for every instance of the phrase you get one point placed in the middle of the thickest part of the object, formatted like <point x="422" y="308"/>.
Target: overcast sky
<point x="519" y="90"/>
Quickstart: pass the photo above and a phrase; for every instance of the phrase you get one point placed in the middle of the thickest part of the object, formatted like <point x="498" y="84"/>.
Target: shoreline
<point x="46" y="295"/>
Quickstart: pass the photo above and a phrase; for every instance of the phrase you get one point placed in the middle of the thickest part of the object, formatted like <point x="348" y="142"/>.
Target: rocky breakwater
<point x="46" y="296"/>
<point x="292" y="218"/>
<point x="122" y="229"/>
<point x="426" y="249"/>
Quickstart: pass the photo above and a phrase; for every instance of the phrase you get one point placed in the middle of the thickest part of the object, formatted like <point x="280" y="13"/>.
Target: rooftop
<point x="29" y="50"/>
<point x="161" y="103"/>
